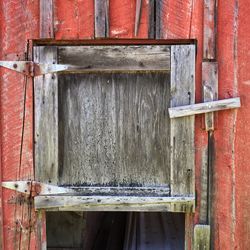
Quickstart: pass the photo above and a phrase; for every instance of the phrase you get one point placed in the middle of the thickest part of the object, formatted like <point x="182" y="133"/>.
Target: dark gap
<point x="155" y="26"/>
<point x="115" y="230"/>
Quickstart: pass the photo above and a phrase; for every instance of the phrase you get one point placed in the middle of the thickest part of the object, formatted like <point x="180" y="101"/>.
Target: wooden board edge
<point x="182" y="92"/>
<point x="114" y="203"/>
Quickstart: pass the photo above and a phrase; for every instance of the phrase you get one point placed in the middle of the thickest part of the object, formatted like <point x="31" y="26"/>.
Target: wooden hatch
<point x="102" y="127"/>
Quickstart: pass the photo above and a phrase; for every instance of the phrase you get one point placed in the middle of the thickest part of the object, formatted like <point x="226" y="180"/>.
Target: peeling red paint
<point x="74" y="19"/>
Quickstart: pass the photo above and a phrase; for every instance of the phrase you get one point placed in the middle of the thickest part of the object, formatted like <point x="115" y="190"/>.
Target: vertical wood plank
<point x="189" y="230"/>
<point x="209" y="29"/>
<point x="46" y="119"/>
<point x="203" y="210"/>
<point x="41" y="230"/>
<point x="174" y="18"/>
<point x="46" y="19"/>
<point x="202" y="237"/>
<point x="182" y="129"/>
<point x="158" y="19"/>
<point x="210" y="89"/>
<point x="74" y="19"/>
<point x="46" y="31"/>
<point x="101" y="18"/>
<point x="151" y="19"/>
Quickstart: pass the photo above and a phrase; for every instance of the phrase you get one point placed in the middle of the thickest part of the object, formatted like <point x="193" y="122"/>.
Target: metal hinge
<point x="32" y="69"/>
<point x="34" y="188"/>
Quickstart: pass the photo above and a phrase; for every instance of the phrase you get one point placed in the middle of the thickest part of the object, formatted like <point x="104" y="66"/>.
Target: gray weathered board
<point x="109" y="125"/>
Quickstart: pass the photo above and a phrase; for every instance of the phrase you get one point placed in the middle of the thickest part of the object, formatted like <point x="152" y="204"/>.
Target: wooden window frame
<point x="182" y="197"/>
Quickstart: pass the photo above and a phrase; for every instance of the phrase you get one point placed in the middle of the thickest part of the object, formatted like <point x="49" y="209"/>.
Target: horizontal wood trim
<point x="115" y="58"/>
<point x="206" y="107"/>
<point x="115" y="203"/>
<point x="111" y="41"/>
<point x="123" y="191"/>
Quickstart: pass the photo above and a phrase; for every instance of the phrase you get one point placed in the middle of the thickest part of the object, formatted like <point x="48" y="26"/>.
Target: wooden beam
<point x="182" y="130"/>
<point x="46" y="31"/>
<point x="201" y="108"/>
<point x="201" y="237"/>
<point x="46" y="112"/>
<point x="115" y="203"/>
<point x="46" y="19"/>
<point x="115" y="58"/>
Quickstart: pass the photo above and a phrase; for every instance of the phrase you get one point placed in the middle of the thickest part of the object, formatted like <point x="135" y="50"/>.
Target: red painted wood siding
<point x="74" y="19"/>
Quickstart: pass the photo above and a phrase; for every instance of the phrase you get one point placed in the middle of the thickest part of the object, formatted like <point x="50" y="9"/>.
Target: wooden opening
<point x="114" y="230"/>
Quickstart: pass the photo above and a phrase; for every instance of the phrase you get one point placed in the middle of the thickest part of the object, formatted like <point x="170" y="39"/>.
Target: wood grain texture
<point x="74" y="19"/>
<point x="151" y="19"/>
<point x="189" y="229"/>
<point x="174" y="18"/>
<point x="41" y="230"/>
<point x="114" y="129"/>
<point x="210" y="89"/>
<point x="117" y="58"/>
<point x="101" y="18"/>
<point x="46" y="119"/>
<point x="46" y="19"/>
<point x="115" y="203"/>
<point x="201" y="237"/>
<point x="206" y="107"/>
<point x="203" y="208"/>
<point x="182" y="129"/>
<point x="209" y="29"/>
<point x="137" y="16"/>
<point x="159" y="29"/>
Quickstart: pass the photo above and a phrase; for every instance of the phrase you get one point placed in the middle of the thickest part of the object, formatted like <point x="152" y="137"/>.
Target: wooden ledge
<point x="115" y="203"/>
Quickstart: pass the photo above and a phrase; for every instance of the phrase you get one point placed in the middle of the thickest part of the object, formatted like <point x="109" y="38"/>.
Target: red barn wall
<point x="181" y="19"/>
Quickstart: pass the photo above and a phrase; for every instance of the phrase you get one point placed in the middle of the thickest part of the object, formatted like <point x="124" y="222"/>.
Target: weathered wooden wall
<point x="74" y="19"/>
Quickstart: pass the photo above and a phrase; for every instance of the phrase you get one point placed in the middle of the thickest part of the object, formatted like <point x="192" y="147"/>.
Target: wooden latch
<point x="202" y="108"/>
<point x="32" y="69"/>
